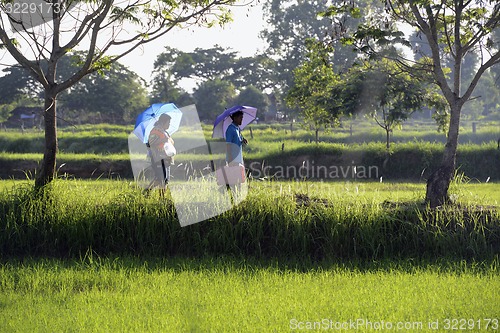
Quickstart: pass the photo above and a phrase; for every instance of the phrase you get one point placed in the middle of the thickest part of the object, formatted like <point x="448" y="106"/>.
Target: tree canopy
<point x="213" y="97"/>
<point x="115" y="95"/>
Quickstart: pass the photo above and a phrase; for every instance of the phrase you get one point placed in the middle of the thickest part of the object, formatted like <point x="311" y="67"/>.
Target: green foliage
<point x="220" y="73"/>
<point x="291" y="23"/>
<point x="213" y="97"/>
<point x="387" y="94"/>
<point x="173" y="65"/>
<point x="353" y="11"/>
<point x="361" y="221"/>
<point x="165" y="81"/>
<point x="253" y="97"/>
<point x="442" y="119"/>
<point x="17" y="84"/>
<point x="127" y="14"/>
<point x="5" y="110"/>
<point x="114" y="93"/>
<point x="203" y="64"/>
<point x="487" y="98"/>
<point x="377" y="88"/>
<point x="314" y="85"/>
<point x="102" y="65"/>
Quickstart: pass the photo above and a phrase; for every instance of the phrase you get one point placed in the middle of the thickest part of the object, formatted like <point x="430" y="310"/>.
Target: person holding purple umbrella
<point x="235" y="140"/>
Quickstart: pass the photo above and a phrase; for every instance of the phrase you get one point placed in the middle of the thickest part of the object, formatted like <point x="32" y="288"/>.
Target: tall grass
<point x="342" y="221"/>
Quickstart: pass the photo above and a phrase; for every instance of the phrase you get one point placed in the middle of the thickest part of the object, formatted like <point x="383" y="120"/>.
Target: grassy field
<point x="239" y="295"/>
<point x="300" y="255"/>
<point x="264" y="138"/>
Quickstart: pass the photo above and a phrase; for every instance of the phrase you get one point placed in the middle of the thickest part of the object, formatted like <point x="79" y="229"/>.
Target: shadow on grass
<point x="250" y="265"/>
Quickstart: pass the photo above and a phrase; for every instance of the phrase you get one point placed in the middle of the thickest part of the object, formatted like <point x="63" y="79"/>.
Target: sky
<point x="241" y="35"/>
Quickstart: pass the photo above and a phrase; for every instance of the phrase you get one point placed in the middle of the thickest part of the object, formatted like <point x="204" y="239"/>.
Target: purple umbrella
<point x="224" y="120"/>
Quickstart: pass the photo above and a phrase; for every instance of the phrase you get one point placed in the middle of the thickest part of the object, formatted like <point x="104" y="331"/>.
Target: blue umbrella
<point x="224" y="120"/>
<point x="146" y="120"/>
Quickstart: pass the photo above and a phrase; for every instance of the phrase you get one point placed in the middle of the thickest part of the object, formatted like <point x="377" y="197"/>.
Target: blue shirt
<point x="235" y="141"/>
<point x="233" y="135"/>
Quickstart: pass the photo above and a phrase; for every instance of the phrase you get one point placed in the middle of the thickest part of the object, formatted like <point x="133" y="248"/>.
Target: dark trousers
<point x="161" y="171"/>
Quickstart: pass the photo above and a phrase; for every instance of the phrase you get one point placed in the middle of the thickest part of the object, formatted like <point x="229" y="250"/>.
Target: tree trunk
<point x="439" y="181"/>
<point x="47" y="169"/>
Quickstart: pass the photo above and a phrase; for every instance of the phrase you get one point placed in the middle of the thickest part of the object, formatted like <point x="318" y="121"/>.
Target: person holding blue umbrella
<point x="162" y="149"/>
<point x="146" y="120"/>
<point x="154" y="127"/>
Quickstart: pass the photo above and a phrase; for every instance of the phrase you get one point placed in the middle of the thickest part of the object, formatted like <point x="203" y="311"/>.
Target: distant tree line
<point x="117" y="94"/>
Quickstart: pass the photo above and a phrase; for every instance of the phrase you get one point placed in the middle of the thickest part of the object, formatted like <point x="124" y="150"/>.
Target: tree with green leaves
<point x="390" y="96"/>
<point x="314" y="88"/>
<point x="205" y="64"/>
<point x="5" y="112"/>
<point x="256" y="71"/>
<point x="454" y="27"/>
<point x="117" y="96"/>
<point x="221" y="75"/>
<point x="487" y="95"/>
<point x="201" y="64"/>
<point x="98" y="28"/>
<point x="165" y="87"/>
<point x="164" y="83"/>
<point x="290" y="24"/>
<point x="17" y="84"/>
<point x="252" y="96"/>
<point x="213" y="97"/>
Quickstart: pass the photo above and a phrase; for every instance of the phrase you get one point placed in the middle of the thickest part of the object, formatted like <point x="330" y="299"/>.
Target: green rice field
<point x="237" y="295"/>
